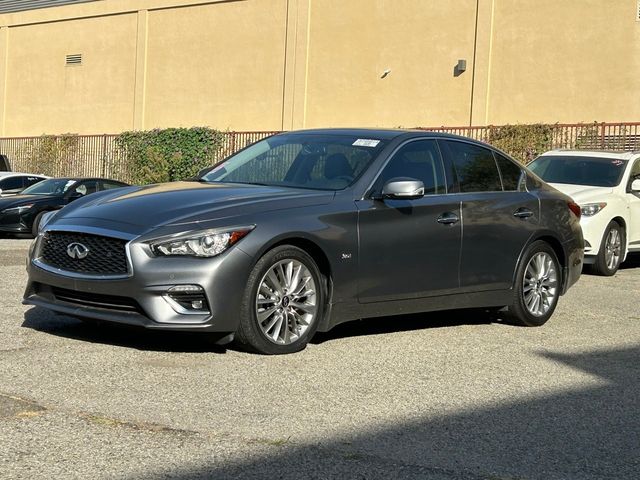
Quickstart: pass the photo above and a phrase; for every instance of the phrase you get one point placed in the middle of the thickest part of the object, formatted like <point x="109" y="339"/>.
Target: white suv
<point x="606" y="185"/>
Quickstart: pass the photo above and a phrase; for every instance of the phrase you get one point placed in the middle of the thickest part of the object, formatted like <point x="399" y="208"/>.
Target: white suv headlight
<point x="590" y="209"/>
<point x="207" y="243"/>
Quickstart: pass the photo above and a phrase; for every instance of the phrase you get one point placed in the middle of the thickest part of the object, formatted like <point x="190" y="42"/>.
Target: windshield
<point x="592" y="171"/>
<point x="323" y="162"/>
<point x="56" y="186"/>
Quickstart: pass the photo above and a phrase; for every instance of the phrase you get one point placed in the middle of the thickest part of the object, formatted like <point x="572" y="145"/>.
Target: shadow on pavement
<point x="589" y="433"/>
<point x="43" y="320"/>
<point x="632" y="261"/>
<point x="406" y="323"/>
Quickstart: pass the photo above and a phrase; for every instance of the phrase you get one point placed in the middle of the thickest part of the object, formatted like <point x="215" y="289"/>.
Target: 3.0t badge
<point x="77" y="250"/>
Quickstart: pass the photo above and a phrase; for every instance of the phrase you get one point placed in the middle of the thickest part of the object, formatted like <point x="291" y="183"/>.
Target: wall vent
<point x="74" y="59"/>
<point x="638" y="11"/>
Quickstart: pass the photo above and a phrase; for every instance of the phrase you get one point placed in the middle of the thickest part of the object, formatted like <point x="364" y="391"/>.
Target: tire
<point x="611" y="251"/>
<point x="274" y="321"/>
<point x="36" y="224"/>
<point x="535" y="297"/>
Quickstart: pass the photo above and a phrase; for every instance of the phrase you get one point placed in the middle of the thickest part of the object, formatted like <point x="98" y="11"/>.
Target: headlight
<point x="207" y="243"/>
<point x="590" y="209"/>
<point x="18" y="210"/>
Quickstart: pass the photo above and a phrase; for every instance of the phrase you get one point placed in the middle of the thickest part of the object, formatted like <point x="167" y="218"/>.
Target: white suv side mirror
<point x="635" y="185"/>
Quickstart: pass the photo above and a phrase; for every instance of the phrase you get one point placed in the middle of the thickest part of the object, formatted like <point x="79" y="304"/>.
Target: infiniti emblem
<point x="77" y="250"/>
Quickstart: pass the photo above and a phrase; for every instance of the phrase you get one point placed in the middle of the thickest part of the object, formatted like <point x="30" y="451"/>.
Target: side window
<point x="87" y="188"/>
<point x="420" y="160"/>
<point x="12" y="183"/>
<point x="474" y="165"/>
<point x="635" y="171"/>
<point x="32" y="181"/>
<point x="511" y="173"/>
<point x="110" y="185"/>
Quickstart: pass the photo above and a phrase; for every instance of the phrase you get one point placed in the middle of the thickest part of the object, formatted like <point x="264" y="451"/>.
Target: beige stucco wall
<point x="566" y="61"/>
<point x="352" y="43"/>
<point x="282" y="64"/>
<point x="45" y="96"/>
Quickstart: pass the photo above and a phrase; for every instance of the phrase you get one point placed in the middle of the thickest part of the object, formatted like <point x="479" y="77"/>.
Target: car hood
<point x="583" y="193"/>
<point x="185" y="203"/>
<point x="17" y="200"/>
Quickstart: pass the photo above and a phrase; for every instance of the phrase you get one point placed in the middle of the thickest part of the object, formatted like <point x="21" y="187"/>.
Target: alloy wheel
<point x="613" y="249"/>
<point x="286" y="302"/>
<point x="540" y="285"/>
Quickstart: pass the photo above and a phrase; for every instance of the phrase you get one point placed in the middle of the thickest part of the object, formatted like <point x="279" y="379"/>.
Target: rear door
<point x="405" y="252"/>
<point x="499" y="215"/>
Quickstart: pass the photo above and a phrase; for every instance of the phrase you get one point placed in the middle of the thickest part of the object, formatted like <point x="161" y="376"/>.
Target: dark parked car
<point x="22" y="213"/>
<point x="14" y="183"/>
<point x="305" y="230"/>
<point x="5" y="164"/>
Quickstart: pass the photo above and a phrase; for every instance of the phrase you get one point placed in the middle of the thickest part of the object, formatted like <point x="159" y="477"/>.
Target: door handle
<point x="448" y="218"/>
<point x="523" y="213"/>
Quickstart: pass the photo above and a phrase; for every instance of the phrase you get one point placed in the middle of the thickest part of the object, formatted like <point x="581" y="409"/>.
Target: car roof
<point x="81" y="179"/>
<point x="15" y="174"/>
<point x="382" y="133"/>
<point x="593" y="153"/>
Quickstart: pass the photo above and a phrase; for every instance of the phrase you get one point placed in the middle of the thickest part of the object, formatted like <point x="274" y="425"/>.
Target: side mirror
<point x="635" y="185"/>
<point x="403" y="189"/>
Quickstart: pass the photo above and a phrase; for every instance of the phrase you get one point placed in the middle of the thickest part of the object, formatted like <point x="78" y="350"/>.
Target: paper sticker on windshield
<point x="365" y="142"/>
<point x="617" y="163"/>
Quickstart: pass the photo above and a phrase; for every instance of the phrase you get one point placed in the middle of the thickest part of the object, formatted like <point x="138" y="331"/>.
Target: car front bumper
<point x="141" y="299"/>
<point x="14" y="223"/>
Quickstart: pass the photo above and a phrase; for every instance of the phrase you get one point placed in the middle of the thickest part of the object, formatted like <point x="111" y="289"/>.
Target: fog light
<point x="187" y="299"/>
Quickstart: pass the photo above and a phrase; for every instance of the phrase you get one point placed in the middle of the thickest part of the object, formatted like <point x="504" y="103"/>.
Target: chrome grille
<point x="106" y="256"/>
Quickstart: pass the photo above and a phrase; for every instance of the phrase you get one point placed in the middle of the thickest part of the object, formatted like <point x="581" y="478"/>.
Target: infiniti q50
<point x="304" y="230"/>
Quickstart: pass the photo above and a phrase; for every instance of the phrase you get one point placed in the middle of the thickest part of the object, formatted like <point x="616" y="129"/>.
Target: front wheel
<point x="537" y="286"/>
<point x="283" y="302"/>
<point x="611" y="251"/>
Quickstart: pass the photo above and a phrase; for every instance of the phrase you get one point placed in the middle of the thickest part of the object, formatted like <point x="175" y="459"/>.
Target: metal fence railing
<point x="525" y="142"/>
<point x="99" y="155"/>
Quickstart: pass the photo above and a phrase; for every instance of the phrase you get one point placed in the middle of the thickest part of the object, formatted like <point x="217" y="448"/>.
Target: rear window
<point x="511" y="173"/>
<point x="579" y="170"/>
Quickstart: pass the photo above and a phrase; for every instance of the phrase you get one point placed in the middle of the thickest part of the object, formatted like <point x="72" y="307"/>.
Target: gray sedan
<point x="304" y="230"/>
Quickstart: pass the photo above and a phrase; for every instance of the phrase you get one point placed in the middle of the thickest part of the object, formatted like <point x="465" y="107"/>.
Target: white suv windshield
<point x="577" y="170"/>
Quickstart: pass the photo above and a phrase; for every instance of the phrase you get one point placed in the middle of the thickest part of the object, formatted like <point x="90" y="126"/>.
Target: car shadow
<point x="406" y="323"/>
<point x="43" y="320"/>
<point x="46" y="321"/>
<point x="632" y="261"/>
<point x="586" y="430"/>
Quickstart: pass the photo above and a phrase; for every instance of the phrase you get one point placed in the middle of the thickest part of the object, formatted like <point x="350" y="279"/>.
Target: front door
<point x="406" y="250"/>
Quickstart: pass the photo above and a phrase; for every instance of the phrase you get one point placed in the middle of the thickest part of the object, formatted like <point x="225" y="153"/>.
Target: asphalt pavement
<point x="447" y="395"/>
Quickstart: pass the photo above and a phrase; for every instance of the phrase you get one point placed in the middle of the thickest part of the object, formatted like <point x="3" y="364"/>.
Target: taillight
<point x="575" y="208"/>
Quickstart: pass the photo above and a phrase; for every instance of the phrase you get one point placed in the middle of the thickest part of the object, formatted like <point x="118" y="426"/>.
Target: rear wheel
<point x="283" y="302"/>
<point x="611" y="251"/>
<point x="537" y="286"/>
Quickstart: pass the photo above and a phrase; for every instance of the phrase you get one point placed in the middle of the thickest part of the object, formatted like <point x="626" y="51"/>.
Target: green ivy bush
<point x="165" y="155"/>
<point x="522" y="142"/>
